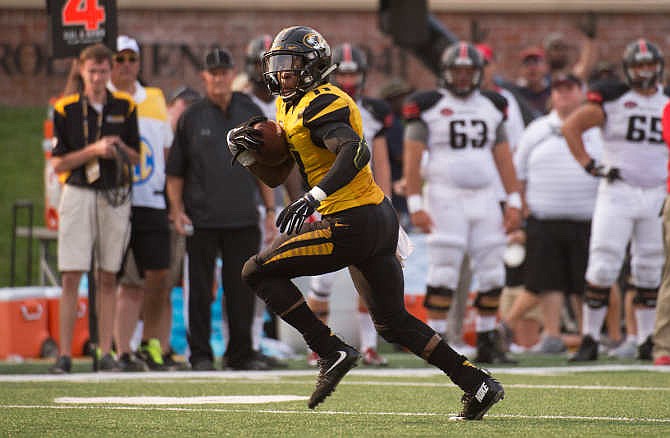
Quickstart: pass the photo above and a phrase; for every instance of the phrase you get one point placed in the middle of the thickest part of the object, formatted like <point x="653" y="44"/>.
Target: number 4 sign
<point x="75" y="24"/>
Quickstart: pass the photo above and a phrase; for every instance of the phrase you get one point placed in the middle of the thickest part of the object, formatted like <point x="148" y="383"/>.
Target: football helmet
<point x="352" y="63"/>
<point x="640" y="53"/>
<point x="254" y="57"/>
<point x="298" y="60"/>
<point x="457" y="56"/>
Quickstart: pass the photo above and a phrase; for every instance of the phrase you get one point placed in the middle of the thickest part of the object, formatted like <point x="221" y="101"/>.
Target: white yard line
<point x="265" y="375"/>
<point x="342" y="413"/>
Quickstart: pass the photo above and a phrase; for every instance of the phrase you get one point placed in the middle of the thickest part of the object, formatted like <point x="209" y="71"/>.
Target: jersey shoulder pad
<point x="64" y="102"/>
<point x="606" y="91"/>
<point x="326" y="107"/>
<point x="419" y="102"/>
<point x="379" y="109"/>
<point x="498" y="100"/>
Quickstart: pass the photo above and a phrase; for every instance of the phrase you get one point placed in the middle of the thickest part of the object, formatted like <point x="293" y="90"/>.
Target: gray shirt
<point x="216" y="194"/>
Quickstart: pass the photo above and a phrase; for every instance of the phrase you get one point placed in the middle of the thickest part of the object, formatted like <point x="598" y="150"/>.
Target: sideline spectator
<point x="143" y="285"/>
<point x="218" y="202"/>
<point x="631" y="191"/>
<point x="559" y="50"/>
<point x="94" y="209"/>
<point x="662" y="326"/>
<point x="394" y="93"/>
<point x="533" y="83"/>
<point x="559" y="215"/>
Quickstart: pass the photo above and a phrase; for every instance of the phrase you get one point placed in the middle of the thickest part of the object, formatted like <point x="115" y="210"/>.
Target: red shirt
<point x="665" y="122"/>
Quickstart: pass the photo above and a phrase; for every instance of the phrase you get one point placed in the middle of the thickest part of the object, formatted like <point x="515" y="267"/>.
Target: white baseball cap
<point x="124" y="42"/>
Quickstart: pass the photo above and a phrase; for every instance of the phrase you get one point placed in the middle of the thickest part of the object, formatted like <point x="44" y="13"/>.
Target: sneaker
<point x="269" y="360"/>
<point x="172" y="364"/>
<point x="627" y="350"/>
<point x="476" y="404"/>
<point x="63" y="365"/>
<point x="151" y="353"/>
<point x="644" y="350"/>
<point x="312" y="359"/>
<point x="108" y="363"/>
<point x="251" y="364"/>
<point x="331" y="371"/>
<point x="132" y="363"/>
<point x="662" y="360"/>
<point x="549" y="345"/>
<point x="489" y="349"/>
<point x="373" y="359"/>
<point x="588" y="350"/>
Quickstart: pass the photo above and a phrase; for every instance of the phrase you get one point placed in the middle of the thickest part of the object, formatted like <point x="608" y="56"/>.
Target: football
<point x="275" y="148"/>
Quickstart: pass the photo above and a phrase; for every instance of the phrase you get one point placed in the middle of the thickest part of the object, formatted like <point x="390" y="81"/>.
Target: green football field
<point x="544" y="398"/>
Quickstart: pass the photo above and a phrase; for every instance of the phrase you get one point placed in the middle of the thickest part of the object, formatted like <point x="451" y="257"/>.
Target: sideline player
<point x="358" y="228"/>
<point x="462" y="129"/>
<point x="630" y="194"/>
<point x="350" y="76"/>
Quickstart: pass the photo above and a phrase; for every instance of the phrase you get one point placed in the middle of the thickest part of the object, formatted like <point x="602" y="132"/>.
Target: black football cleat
<point x="476" y="404"/>
<point x="490" y="350"/>
<point x="588" y="350"/>
<point x="331" y="370"/>
<point x="644" y="350"/>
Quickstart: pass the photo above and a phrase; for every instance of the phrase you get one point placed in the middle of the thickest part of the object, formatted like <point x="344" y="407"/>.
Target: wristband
<point x="414" y="203"/>
<point x="590" y="166"/>
<point x="318" y="193"/>
<point x="514" y="200"/>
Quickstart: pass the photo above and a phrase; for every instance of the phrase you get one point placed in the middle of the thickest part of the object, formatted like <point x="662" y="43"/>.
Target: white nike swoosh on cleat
<point x="343" y="354"/>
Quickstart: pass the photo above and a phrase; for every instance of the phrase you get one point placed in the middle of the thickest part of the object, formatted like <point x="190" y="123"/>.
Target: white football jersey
<point x="461" y="135"/>
<point x="632" y="133"/>
<point x="373" y="115"/>
<point x="155" y="136"/>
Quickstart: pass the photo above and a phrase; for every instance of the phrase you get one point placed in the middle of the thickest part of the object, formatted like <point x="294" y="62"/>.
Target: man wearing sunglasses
<point x="144" y="280"/>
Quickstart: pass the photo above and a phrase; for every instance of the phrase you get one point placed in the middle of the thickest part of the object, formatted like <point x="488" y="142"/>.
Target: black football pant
<point x="235" y="246"/>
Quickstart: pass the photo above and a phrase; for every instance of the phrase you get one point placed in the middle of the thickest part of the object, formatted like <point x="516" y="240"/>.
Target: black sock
<point x="464" y="374"/>
<point x="316" y="334"/>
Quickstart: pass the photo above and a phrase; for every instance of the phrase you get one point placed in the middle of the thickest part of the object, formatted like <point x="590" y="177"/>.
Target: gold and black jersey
<point x="323" y="105"/>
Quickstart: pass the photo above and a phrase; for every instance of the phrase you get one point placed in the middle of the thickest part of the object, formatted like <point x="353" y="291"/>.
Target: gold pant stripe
<point x="310" y="250"/>
<point x="430" y="346"/>
<point x="296" y="305"/>
<point x="322" y="233"/>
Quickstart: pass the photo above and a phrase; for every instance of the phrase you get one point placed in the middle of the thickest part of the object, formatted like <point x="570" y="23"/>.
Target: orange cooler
<point x="23" y="321"/>
<point x="80" y="335"/>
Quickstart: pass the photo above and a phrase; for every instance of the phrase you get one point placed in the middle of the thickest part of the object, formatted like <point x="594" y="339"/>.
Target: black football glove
<point x="601" y="171"/>
<point x="245" y="138"/>
<point x="292" y="218"/>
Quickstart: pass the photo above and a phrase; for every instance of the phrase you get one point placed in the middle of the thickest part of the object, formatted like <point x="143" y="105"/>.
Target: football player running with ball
<point x="630" y="194"/>
<point x="358" y="228"/>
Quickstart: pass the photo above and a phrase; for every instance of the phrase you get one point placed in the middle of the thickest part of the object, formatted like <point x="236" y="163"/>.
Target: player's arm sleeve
<point x="327" y="118"/>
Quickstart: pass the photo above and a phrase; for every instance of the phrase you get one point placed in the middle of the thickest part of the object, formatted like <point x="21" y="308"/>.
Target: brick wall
<point x="172" y="39"/>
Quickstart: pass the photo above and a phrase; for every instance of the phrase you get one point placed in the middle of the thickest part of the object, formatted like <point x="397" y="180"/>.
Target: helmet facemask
<point x="462" y="69"/>
<point x="642" y="65"/>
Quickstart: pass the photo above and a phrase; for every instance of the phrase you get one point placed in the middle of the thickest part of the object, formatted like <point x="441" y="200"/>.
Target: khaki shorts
<point x="507" y="298"/>
<point x="86" y="219"/>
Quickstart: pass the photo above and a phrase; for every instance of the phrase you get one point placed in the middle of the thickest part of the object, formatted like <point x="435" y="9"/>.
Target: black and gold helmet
<point x="254" y="57"/>
<point x="303" y="51"/>
<point x="638" y="53"/>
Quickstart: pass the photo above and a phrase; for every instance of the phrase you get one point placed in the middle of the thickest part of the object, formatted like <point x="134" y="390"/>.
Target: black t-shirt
<point x="216" y="193"/>
<point x="119" y="117"/>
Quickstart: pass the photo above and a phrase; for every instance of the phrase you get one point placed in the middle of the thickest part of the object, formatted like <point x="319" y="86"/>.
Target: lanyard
<point x="98" y="130"/>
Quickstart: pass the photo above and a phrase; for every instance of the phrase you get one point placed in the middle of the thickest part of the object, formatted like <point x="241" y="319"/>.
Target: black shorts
<point x="150" y="239"/>
<point x="557" y="253"/>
